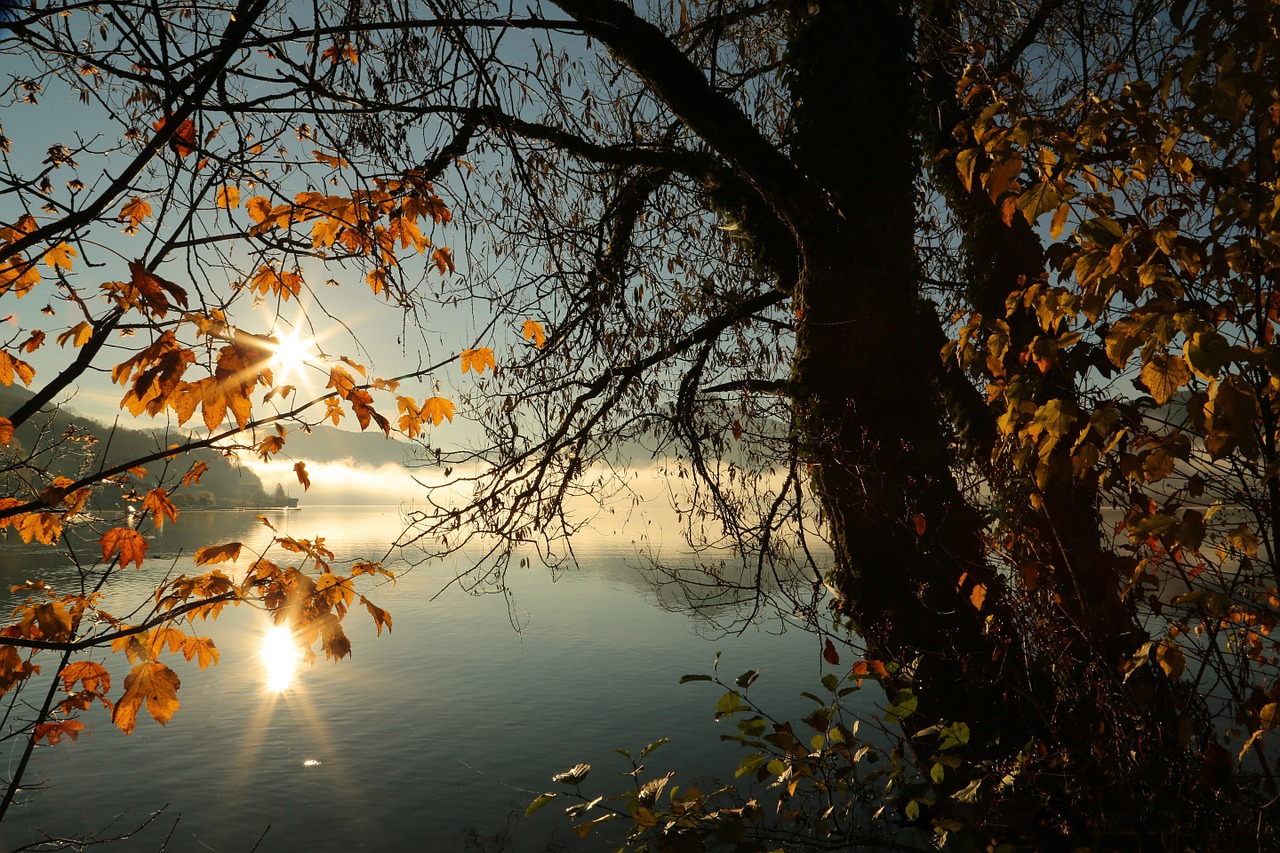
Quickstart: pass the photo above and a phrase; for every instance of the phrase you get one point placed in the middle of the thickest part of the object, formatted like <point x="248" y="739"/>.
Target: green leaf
<point x="937" y="774"/>
<point x="831" y="681"/>
<point x="749" y="764"/>
<point x="913" y="810"/>
<point x="538" y="803"/>
<point x="652" y="746"/>
<point x="903" y="705"/>
<point x="753" y="727"/>
<point x="1038" y="200"/>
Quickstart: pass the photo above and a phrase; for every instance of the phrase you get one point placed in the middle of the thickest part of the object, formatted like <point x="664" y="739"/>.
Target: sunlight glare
<point x="292" y="353"/>
<point x="280" y="658"/>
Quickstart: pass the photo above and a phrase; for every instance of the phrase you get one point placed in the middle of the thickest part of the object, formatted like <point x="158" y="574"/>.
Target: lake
<point x="436" y="736"/>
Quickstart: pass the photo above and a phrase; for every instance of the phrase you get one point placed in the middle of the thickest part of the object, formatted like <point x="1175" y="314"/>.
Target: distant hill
<point x="57" y="442"/>
<point x="329" y="444"/>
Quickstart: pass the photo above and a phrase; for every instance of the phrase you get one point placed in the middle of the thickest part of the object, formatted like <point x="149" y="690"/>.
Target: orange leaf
<point x="11" y="367"/>
<point x="228" y="197"/>
<point x="978" y="596"/>
<point x="43" y="527"/>
<point x="183" y="141"/>
<point x="920" y="524"/>
<point x="79" y="335"/>
<point x="134" y="211"/>
<point x="218" y="553"/>
<point x="150" y="682"/>
<point x="533" y="331"/>
<point x="436" y="409"/>
<point x="194" y="474"/>
<point x="443" y="258"/>
<point x="53" y="732"/>
<point x="158" y="504"/>
<point x="380" y="616"/>
<point x="6" y="430"/>
<point x="201" y="648"/>
<point x="477" y="359"/>
<point x="129" y="544"/>
<point x="300" y="468"/>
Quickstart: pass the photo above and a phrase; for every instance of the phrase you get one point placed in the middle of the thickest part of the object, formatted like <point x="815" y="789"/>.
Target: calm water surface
<point x="435" y="737"/>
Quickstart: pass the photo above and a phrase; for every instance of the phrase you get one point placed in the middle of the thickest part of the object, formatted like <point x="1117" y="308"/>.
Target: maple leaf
<point x="53" y="732"/>
<point x="201" y="648"/>
<point x="6" y="430"/>
<point x="478" y="359"/>
<point x="19" y="275"/>
<point x="158" y="504"/>
<point x="300" y="468"/>
<point x="60" y="256"/>
<point x="436" y="409"/>
<point x="259" y="208"/>
<point x="218" y="553"/>
<point x="228" y="197"/>
<point x="443" y="258"/>
<point x="194" y="474"/>
<point x="153" y="288"/>
<point x="533" y="331"/>
<point x="183" y="141"/>
<point x="93" y="676"/>
<point x="377" y="280"/>
<point x="79" y="335"/>
<point x="44" y="527"/>
<point x="129" y="544"/>
<point x="134" y="211"/>
<point x="150" y="682"/>
<point x="10" y="366"/>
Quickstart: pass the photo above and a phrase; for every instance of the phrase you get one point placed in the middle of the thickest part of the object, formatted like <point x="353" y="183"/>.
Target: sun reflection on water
<point x="280" y="658"/>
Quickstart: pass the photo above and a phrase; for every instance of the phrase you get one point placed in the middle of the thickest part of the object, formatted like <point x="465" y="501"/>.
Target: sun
<point x="291" y="353"/>
<point x="280" y="658"/>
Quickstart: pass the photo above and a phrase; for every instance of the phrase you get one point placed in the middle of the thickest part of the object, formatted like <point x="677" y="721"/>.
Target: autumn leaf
<point x="6" y="430"/>
<point x="128" y="543"/>
<point x="158" y="504"/>
<point x="53" y="732"/>
<point x="380" y="616"/>
<point x="259" y="208"/>
<point x="79" y="335"/>
<point x="150" y="682"/>
<point x="134" y="211"/>
<point x="59" y="257"/>
<point x="829" y="653"/>
<point x="300" y="468"/>
<point x="201" y="648"/>
<point x="92" y="676"/>
<point x="183" y="141"/>
<point x="11" y="367"/>
<point x="228" y="197"/>
<point x="194" y="473"/>
<point x="533" y="331"/>
<point x="43" y="527"/>
<point x="218" y="553"/>
<point x="1164" y="375"/>
<point x="477" y="359"/>
<point x="443" y="258"/>
<point x="436" y="409"/>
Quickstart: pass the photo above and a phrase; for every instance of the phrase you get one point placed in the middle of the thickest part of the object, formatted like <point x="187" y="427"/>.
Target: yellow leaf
<point x="44" y="527"/>
<point x="259" y="208"/>
<point x="11" y="367"/>
<point x="229" y="197"/>
<point x="152" y="683"/>
<point x="78" y="334"/>
<point x="1164" y="375"/>
<point x="478" y="359"/>
<point x="533" y="331"/>
<point x="60" y="256"/>
<point x="436" y="409"/>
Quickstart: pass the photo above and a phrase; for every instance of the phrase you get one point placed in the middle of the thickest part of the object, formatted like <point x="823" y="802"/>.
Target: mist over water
<point x="435" y="736"/>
